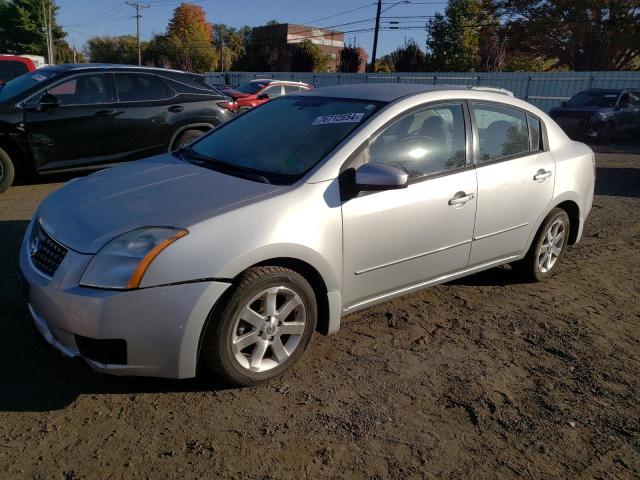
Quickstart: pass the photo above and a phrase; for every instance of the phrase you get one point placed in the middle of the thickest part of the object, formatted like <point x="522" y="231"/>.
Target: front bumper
<point x="161" y="326"/>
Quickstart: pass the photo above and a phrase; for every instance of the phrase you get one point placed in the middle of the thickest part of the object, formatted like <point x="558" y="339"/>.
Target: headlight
<point x="121" y="263"/>
<point x="599" y="116"/>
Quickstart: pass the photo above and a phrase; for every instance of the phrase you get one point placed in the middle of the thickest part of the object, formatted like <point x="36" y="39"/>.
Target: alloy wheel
<point x="268" y="329"/>
<point x="552" y="246"/>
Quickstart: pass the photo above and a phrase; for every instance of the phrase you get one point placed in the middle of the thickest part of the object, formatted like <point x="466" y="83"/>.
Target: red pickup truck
<point x="12" y="66"/>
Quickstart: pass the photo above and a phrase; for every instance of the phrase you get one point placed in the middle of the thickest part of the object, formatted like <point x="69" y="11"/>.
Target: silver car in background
<point x="232" y="251"/>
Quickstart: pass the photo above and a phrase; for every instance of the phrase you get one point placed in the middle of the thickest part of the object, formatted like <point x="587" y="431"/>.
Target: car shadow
<point x="35" y="377"/>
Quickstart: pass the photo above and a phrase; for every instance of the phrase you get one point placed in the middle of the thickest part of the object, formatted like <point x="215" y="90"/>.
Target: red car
<point x="257" y="92"/>
<point x="12" y="66"/>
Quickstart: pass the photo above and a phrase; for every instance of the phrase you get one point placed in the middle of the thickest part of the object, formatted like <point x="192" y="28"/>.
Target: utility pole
<point x="375" y="37"/>
<point x="221" y="49"/>
<point x="138" y="6"/>
<point x="53" y="52"/>
<point x="47" y="33"/>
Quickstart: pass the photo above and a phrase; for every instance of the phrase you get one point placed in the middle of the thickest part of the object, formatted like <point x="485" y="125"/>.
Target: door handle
<point x="460" y="198"/>
<point x="175" y="108"/>
<point x="107" y="113"/>
<point x="542" y="175"/>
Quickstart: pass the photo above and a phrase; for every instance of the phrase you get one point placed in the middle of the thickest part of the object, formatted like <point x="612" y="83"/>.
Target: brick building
<point x="329" y="42"/>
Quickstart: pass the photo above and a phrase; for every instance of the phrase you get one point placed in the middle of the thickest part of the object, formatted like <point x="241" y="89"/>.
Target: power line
<point x="339" y="14"/>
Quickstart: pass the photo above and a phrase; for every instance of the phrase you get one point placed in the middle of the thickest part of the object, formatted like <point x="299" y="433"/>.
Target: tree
<point x="188" y="43"/>
<point x="307" y="57"/>
<point x="408" y="58"/>
<point x="22" y="28"/>
<point x="350" y="59"/>
<point x="107" y="49"/>
<point x="578" y="34"/>
<point x="492" y="50"/>
<point x="453" y="39"/>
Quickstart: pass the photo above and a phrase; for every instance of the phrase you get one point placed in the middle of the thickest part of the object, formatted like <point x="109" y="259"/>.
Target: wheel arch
<point x="16" y="153"/>
<point x="569" y="202"/>
<point x="203" y="127"/>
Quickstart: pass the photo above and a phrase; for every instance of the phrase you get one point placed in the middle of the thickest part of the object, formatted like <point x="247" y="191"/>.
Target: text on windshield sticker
<point x="338" y="118"/>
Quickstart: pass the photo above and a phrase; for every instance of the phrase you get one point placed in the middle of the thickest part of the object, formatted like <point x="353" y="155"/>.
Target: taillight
<point x="233" y="106"/>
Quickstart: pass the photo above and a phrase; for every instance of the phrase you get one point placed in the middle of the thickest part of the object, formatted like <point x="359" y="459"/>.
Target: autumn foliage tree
<point x="187" y="45"/>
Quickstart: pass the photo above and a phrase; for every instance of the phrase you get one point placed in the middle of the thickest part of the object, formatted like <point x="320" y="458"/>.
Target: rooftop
<point x="382" y="92"/>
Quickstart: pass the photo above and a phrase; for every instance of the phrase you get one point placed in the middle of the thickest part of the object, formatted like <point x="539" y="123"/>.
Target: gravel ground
<point x="482" y="378"/>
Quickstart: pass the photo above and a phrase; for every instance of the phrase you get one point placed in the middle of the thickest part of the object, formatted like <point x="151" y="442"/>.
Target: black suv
<point x="76" y="117"/>
<point x="600" y="114"/>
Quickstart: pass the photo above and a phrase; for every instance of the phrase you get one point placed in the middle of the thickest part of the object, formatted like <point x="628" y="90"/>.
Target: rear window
<point x="251" y="87"/>
<point x="10" y="70"/>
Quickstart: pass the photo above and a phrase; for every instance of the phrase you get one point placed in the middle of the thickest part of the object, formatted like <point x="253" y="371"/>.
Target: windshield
<point x="24" y="82"/>
<point x="593" y="99"/>
<point x="251" y="87"/>
<point x="284" y="138"/>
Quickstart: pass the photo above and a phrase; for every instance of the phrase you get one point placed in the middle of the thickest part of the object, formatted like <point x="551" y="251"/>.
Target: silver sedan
<point x="233" y="250"/>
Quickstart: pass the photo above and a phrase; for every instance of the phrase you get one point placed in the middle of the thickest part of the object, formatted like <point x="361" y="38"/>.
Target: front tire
<point x="262" y="328"/>
<point x="547" y="249"/>
<point x="7" y="171"/>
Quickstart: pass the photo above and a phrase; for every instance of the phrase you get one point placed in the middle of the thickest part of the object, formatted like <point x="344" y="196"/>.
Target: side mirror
<point x="47" y="101"/>
<point x="263" y="96"/>
<point x="373" y="177"/>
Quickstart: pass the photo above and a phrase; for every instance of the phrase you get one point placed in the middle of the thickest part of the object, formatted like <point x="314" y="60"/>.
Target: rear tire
<point x="262" y="327"/>
<point x="547" y="248"/>
<point x="7" y="171"/>
<point x="186" y="137"/>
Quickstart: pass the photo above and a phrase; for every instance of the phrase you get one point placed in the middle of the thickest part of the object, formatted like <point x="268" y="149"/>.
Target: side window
<point x="634" y="99"/>
<point x="535" y="134"/>
<point x="502" y="132"/>
<point x="82" y="90"/>
<point x="624" y="100"/>
<point x="291" y="89"/>
<point x="139" y="88"/>
<point x="427" y="141"/>
<point x="273" y="92"/>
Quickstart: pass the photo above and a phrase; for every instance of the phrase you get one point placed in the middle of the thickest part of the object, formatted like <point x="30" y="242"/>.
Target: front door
<point x="80" y="131"/>
<point x="515" y="181"/>
<point x="397" y="239"/>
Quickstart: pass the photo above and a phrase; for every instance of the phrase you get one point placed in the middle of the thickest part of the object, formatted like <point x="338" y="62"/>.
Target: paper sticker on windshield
<point x="38" y="77"/>
<point x="338" y="118"/>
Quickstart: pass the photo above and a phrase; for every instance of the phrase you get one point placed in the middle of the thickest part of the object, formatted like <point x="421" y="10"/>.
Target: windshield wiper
<point x="187" y="153"/>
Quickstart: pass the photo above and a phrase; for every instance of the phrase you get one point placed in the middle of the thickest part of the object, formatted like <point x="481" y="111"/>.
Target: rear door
<point x="149" y="108"/>
<point x="515" y="180"/>
<point x="80" y="131"/>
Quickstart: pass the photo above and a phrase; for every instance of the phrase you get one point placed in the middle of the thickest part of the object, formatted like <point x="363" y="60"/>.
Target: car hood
<point x="165" y="191"/>
<point x="570" y="111"/>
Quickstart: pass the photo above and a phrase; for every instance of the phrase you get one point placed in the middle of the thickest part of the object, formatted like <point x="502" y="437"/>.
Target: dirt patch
<point x="482" y="378"/>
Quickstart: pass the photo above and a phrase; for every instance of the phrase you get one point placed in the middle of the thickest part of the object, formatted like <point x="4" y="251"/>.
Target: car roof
<point x="273" y="80"/>
<point x="604" y="91"/>
<point x="68" y="67"/>
<point x="379" y="92"/>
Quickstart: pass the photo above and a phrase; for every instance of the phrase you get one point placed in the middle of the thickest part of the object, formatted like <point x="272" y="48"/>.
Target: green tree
<point x="408" y="58"/>
<point x="578" y="34"/>
<point x="453" y="39"/>
<point x="107" y="49"/>
<point x="307" y="57"/>
<point x="350" y="59"/>
<point x="22" y="28"/>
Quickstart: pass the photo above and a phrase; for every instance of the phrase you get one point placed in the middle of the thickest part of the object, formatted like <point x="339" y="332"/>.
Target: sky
<point x="82" y="19"/>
